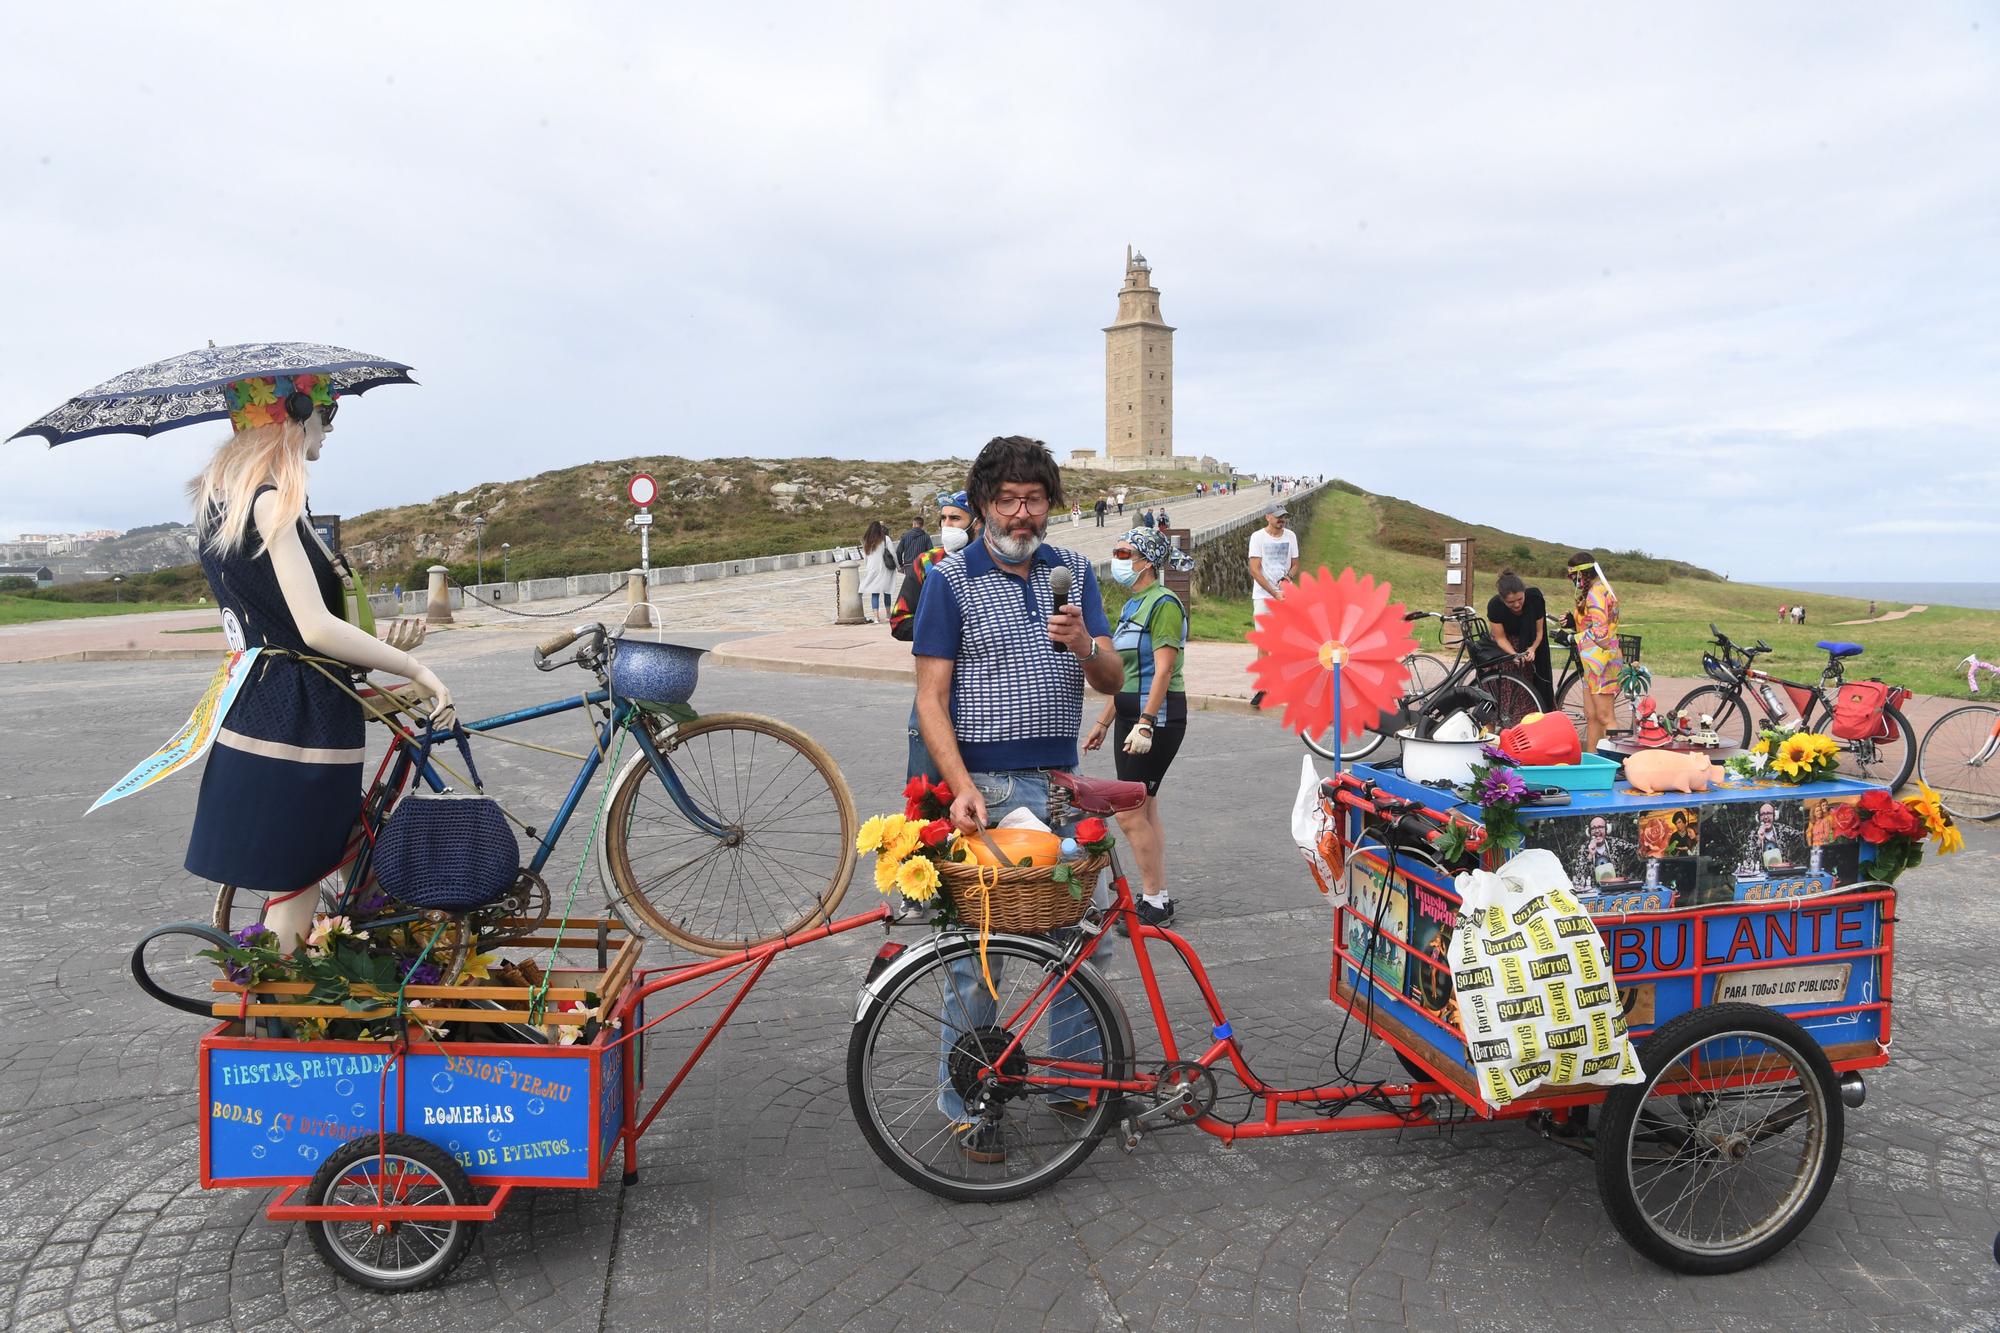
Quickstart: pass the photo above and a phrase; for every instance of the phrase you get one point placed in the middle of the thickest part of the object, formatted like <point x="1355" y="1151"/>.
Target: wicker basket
<point x="1021" y="899"/>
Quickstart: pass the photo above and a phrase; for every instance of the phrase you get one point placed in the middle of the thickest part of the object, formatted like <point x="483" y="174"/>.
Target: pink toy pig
<point x="1653" y="771"/>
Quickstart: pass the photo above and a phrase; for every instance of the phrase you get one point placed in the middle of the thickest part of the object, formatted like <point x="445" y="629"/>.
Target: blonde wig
<point x="265" y="455"/>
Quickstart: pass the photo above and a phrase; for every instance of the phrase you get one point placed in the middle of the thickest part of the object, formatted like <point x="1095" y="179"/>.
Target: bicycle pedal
<point x="1129" y="1141"/>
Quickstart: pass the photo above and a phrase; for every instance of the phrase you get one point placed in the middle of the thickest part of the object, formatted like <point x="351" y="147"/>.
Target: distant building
<point x="42" y="575"/>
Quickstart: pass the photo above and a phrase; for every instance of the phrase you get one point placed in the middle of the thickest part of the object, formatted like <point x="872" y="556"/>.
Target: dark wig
<point x="1014" y="458"/>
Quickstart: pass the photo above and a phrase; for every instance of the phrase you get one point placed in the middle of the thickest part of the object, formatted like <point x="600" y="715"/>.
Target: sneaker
<point x="1149" y="915"/>
<point x="982" y="1143"/>
<point x="1257" y="699"/>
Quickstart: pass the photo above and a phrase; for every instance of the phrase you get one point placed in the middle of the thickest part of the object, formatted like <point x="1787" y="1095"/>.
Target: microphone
<point x="1059" y="581"/>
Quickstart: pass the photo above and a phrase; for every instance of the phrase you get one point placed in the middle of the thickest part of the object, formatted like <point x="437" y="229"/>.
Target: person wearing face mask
<point x="1000" y="676"/>
<point x="955" y="529"/>
<point x="1150" y="709"/>
<point x="282" y="785"/>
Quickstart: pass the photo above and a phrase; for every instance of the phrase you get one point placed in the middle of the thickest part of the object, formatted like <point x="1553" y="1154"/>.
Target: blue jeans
<point x="1072" y="1031"/>
<point x="920" y="754"/>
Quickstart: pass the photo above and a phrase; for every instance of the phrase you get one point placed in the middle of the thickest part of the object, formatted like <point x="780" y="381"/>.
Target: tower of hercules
<point x="1138" y="371"/>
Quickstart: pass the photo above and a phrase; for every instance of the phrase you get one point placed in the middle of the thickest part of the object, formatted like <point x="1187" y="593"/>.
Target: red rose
<point x="914" y="790"/>
<point x="941" y="793"/>
<point x="934" y="832"/>
<point x="1874" y="802"/>
<point x="1091" y="830"/>
<point x="1892" y="820"/>
<point x="1844" y="821"/>
<point x="913" y="810"/>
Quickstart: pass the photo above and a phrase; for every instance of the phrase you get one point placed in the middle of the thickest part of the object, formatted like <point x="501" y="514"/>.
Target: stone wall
<point x="1221" y="553"/>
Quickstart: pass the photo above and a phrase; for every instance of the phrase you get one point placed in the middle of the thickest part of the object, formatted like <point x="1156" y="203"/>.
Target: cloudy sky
<point x="1721" y="282"/>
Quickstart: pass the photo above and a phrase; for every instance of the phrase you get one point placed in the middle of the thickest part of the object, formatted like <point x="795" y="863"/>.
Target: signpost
<point x="643" y="490"/>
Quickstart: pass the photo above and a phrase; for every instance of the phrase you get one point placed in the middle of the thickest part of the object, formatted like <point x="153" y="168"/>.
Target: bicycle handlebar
<point x="555" y="643"/>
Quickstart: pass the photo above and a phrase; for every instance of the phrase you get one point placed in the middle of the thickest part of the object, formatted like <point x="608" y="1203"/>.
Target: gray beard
<point x="1014" y="550"/>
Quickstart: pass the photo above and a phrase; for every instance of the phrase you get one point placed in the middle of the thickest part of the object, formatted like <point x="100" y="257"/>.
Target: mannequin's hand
<point x="442" y="712"/>
<point x="404" y="632"/>
<point x="1094" y="740"/>
<point x="1139" y="740"/>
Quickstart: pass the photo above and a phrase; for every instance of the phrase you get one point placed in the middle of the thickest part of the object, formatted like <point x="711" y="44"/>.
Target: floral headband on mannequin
<point x="272" y="400"/>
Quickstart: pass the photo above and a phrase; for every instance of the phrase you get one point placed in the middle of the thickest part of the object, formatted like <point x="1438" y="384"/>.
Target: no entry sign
<point x="643" y="490"/>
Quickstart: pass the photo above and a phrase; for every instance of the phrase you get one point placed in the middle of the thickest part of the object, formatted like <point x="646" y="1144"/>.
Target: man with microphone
<point x="1008" y="631"/>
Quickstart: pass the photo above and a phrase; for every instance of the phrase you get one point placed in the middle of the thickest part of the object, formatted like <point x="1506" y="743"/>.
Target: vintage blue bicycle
<point x="722" y="832"/>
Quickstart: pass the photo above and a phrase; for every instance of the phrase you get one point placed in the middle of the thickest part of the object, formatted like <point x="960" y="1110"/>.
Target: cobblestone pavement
<point x="758" y="1204"/>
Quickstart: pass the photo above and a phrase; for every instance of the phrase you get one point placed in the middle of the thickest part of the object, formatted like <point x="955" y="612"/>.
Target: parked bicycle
<point x="1480" y="681"/>
<point x="1972" y="665"/>
<point x="1884" y="752"/>
<point x="1960" y="760"/>
<point x="1571" y="689"/>
<point x="724" y="831"/>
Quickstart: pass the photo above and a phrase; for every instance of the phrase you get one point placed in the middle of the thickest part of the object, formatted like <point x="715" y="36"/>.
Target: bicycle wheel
<point x="1732" y="719"/>
<point x="913" y="1077"/>
<point x="783" y="856"/>
<point x="1722" y="1156"/>
<point x="166" y="963"/>
<point x="1887" y="761"/>
<point x="1426" y="673"/>
<point x="403" y="1170"/>
<point x="1569" y="702"/>
<point x="1960" y="760"/>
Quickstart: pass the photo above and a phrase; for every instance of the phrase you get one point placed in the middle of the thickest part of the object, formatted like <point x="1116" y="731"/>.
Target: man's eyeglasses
<point x="1009" y="504"/>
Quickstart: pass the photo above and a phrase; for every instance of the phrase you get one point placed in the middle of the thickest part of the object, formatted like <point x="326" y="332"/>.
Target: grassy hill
<point x="571" y="521"/>
<point x="1668" y="603"/>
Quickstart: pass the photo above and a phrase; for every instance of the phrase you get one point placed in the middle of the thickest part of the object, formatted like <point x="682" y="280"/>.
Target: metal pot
<point x="1439" y="761"/>
<point x="648" y="672"/>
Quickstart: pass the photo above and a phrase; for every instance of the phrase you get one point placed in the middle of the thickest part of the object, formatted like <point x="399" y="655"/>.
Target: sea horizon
<point x="1979" y="596"/>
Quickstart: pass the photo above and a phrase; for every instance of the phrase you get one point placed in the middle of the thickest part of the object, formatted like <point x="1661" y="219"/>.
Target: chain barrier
<point x="531" y="615"/>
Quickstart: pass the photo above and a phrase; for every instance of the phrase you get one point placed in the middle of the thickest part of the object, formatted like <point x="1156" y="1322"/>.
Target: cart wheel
<point x="1720" y="1158"/>
<point x="391" y="1256"/>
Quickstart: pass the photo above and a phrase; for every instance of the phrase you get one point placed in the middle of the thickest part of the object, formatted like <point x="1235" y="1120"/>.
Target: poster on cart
<point x="276" y="1111"/>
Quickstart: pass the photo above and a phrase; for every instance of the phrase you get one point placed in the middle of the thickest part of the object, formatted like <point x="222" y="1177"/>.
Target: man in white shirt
<point x="1274" y="560"/>
<point x="1274" y="557"/>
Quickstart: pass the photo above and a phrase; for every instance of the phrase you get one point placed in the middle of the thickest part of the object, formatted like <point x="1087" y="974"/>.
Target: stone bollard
<point x="847" y="596"/>
<point x="639" y="612"/>
<point x="438" y="610"/>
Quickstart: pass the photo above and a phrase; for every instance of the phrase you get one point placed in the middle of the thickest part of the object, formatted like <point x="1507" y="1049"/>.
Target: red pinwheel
<point x="1328" y="630"/>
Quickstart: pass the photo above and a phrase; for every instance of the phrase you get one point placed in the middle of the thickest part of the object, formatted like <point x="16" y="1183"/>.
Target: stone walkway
<point x="760" y="1207"/>
<point x="1887" y="615"/>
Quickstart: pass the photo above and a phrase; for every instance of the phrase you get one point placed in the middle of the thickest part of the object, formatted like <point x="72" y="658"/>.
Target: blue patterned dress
<point x="283" y="781"/>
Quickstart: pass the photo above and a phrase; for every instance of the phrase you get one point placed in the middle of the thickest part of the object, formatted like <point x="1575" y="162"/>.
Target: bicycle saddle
<point x="1839" y="648"/>
<point x="1100" y="796"/>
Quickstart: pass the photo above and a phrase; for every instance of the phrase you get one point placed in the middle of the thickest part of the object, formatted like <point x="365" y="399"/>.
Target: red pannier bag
<point x="1857" y="711"/>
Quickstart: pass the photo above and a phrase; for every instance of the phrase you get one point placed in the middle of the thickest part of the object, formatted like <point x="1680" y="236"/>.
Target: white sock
<point x="1156" y="899"/>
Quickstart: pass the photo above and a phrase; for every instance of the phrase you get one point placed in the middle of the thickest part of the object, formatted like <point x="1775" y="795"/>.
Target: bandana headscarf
<point x="261" y="401"/>
<point x="1156" y="550"/>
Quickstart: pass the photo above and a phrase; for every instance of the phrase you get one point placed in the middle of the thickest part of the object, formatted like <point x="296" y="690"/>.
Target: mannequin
<point x="282" y="785"/>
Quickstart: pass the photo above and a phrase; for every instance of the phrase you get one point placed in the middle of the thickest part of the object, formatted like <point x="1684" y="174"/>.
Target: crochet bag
<point x="447" y="851"/>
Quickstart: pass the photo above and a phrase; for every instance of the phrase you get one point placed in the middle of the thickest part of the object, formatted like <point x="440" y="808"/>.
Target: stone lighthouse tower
<point x="1138" y="371"/>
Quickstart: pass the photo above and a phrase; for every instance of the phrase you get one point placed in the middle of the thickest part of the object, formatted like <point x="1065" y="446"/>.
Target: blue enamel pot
<point x="653" y="673"/>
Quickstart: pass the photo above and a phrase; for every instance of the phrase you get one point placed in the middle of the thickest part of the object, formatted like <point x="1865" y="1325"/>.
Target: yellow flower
<point x="870" y="836"/>
<point x="1951" y="840"/>
<point x="885" y="874"/>
<point x="1826" y="747"/>
<point x="1794" y="757"/>
<point x="907" y="841"/>
<point x="918" y="879"/>
<point x="1763" y="745"/>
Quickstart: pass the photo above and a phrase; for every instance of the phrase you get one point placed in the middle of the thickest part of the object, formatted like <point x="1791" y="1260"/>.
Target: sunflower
<point x="1795" y="757"/>
<point x="918" y="879"/>
<point x="1823" y="747"/>
<point x="870" y="836"/>
<point x="1937" y="822"/>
